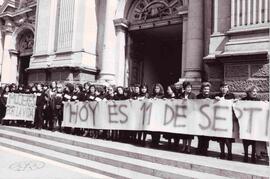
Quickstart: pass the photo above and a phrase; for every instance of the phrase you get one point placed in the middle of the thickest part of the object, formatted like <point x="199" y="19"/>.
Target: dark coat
<point x="89" y="97"/>
<point x="190" y="96"/>
<point x="201" y="96"/>
<point x="226" y="96"/>
<point x="248" y="98"/>
<point x="41" y="99"/>
<point x="120" y="97"/>
<point x="80" y="96"/>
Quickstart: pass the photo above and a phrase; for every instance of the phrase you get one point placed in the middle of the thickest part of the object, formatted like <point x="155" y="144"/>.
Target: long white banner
<point x="196" y="117"/>
<point x="253" y="118"/>
<point x="20" y="107"/>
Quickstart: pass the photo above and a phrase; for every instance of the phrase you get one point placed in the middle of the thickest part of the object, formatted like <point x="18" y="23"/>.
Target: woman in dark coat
<point x="57" y="103"/>
<point x="187" y="94"/>
<point x="157" y="93"/>
<point x="119" y="95"/>
<point x="203" y="141"/>
<point x="225" y="94"/>
<point x="251" y="96"/>
<point x="67" y="97"/>
<point x="89" y="92"/>
<point x="144" y="94"/>
<point x="110" y="95"/>
<point x="171" y="94"/>
<point x="3" y="103"/>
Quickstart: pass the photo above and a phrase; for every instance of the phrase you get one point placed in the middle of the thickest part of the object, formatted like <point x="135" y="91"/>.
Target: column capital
<point x="121" y="23"/>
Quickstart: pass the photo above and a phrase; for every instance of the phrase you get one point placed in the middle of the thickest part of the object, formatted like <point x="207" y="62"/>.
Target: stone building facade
<point x="123" y="42"/>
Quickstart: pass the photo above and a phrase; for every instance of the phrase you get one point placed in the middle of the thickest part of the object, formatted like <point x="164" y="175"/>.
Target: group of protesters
<point x="49" y="111"/>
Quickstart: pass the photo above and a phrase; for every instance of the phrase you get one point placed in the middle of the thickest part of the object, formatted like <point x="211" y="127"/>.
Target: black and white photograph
<point x="134" y="89"/>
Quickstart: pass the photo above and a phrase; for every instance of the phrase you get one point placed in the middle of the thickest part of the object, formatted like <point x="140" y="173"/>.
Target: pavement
<point x="19" y="165"/>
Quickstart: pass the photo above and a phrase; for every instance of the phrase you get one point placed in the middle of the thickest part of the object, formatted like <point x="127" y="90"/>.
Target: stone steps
<point x="95" y="155"/>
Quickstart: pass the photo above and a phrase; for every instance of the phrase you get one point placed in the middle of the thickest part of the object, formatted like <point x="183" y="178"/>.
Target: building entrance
<point x="155" y="55"/>
<point x="23" y="65"/>
<point x="25" y="42"/>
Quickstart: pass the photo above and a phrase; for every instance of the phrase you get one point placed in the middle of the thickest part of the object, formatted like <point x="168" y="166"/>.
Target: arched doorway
<point x="155" y="41"/>
<point x="24" y="47"/>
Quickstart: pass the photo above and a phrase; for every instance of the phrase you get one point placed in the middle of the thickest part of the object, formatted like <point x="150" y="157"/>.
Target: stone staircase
<point x="119" y="160"/>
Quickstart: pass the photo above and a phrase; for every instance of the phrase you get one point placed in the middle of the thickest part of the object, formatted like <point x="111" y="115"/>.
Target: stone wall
<point x="214" y="73"/>
<point x="240" y="75"/>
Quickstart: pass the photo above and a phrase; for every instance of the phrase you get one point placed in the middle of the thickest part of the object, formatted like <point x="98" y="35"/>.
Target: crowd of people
<point x="49" y="111"/>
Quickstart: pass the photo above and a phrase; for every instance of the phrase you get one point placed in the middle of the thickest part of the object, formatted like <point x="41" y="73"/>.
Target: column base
<point x="107" y="78"/>
<point x="194" y="77"/>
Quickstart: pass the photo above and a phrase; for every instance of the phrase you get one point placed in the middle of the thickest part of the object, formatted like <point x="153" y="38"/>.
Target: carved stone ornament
<point x="26" y="42"/>
<point x="24" y="19"/>
<point x="150" y="9"/>
<point x="25" y="3"/>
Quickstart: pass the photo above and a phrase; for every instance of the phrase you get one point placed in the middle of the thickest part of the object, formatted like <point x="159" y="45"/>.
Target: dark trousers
<point x="38" y="123"/>
<point x="246" y="144"/>
<point x="203" y="145"/>
<point x="58" y="117"/>
<point x="155" y="138"/>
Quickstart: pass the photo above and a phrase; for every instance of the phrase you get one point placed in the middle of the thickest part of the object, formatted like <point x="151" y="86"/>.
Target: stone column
<point x="85" y="34"/>
<point x="194" y="46"/>
<point x="14" y="69"/>
<point x="9" y="66"/>
<point x="121" y="26"/>
<point x="9" y="63"/>
<point x="1" y="53"/>
<point x="107" y="41"/>
<point x="222" y="23"/>
<point x="184" y="42"/>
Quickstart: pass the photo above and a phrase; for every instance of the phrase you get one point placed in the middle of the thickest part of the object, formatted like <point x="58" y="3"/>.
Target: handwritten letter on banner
<point x="253" y="117"/>
<point x="196" y="117"/>
<point x="20" y="107"/>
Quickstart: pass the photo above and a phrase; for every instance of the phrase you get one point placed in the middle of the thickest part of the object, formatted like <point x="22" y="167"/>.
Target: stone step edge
<point x="121" y="162"/>
<point x="27" y="156"/>
<point x="112" y="171"/>
<point x="33" y="150"/>
<point x="176" y="163"/>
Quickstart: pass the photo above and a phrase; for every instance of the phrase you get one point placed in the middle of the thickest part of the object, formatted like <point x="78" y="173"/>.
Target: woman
<point x="41" y="104"/>
<point x="78" y="96"/>
<point x="20" y="88"/>
<point x="119" y="94"/>
<point x="57" y="100"/>
<point x="90" y="95"/>
<point x="110" y="95"/>
<point x="135" y="95"/>
<point x="157" y="93"/>
<point x="225" y="95"/>
<point x="99" y="94"/>
<point x="143" y="95"/>
<point x="203" y="142"/>
<point x="187" y="94"/>
<point x="117" y="134"/>
<point x="90" y="92"/>
<point x="48" y="114"/>
<point x="171" y="94"/>
<point x="67" y="97"/>
<point x="136" y="92"/>
<point x="251" y="95"/>
<point x="144" y="92"/>
<point x="86" y="87"/>
<point x="3" y="103"/>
